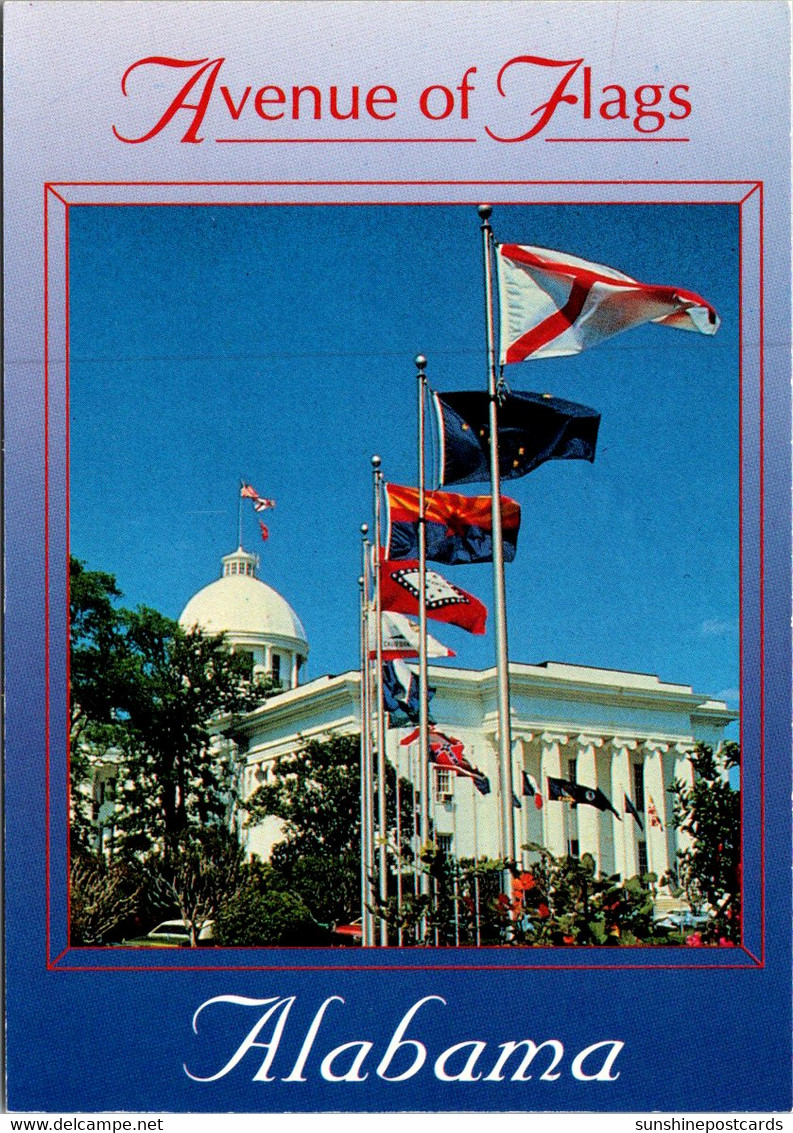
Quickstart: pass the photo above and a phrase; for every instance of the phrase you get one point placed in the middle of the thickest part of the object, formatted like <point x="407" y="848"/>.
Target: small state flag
<point x="400" y="638"/>
<point x="553" y="304"/>
<point x="567" y="791"/>
<point x="247" y="492"/>
<point x="531" y="789"/>
<point x="516" y="803"/>
<point x="447" y="752"/>
<point x="652" y="814"/>
<point x="631" y="809"/>
<point x="401" y="694"/>
<point x="458" y="528"/>
<point x="532" y="428"/>
<point x="399" y="591"/>
<point x="265" y="531"/>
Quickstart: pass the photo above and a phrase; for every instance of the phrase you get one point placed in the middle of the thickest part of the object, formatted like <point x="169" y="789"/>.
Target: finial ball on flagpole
<point x="421" y="361"/>
<point x="364" y="529"/>
<point x="376" y="462"/>
<point x="485" y="211"/>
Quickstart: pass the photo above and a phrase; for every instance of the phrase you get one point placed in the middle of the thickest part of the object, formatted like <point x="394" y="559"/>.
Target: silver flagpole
<point x="499" y="589"/>
<point x="382" y="823"/>
<point x="399" y="844"/>
<point x="367" y="831"/>
<point x="364" y="666"/>
<point x="424" y="759"/>
<point x="476" y="867"/>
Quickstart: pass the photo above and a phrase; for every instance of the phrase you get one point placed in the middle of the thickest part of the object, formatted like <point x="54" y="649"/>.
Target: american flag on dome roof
<point x="260" y="503"/>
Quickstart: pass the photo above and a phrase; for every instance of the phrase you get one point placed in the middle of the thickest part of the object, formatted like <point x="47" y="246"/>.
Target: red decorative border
<point x="99" y="193"/>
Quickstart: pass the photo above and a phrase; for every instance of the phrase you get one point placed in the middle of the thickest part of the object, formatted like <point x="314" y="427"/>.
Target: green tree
<point x="151" y="696"/>
<point x="102" y="896"/>
<point x="708" y="870"/>
<point x="270" y="918"/>
<point x="316" y="793"/>
<point x="198" y="872"/>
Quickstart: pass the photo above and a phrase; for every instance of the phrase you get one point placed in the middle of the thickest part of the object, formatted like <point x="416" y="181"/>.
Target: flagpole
<point x="499" y="588"/>
<point x="476" y="868"/>
<point x="239" y="515"/>
<point x="382" y="824"/>
<point x="399" y="847"/>
<point x="364" y="785"/>
<point x="367" y="817"/>
<point x="424" y="763"/>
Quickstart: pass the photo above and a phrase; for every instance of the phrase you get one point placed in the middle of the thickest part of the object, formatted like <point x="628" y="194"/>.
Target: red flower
<point x="568" y="939"/>
<point x="543" y="911"/>
<point x="695" y="940"/>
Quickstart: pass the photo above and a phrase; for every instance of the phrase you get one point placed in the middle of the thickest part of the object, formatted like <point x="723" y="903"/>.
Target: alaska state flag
<point x="399" y="591"/>
<point x="532" y="428"/>
<point x="459" y="528"/>
<point x="553" y="304"/>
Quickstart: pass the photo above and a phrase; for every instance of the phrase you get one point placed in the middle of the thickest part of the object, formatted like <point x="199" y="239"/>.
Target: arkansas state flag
<point x="399" y="591"/>
<point x="532" y="428"/>
<point x="459" y="528"/>
<point x="553" y="304"/>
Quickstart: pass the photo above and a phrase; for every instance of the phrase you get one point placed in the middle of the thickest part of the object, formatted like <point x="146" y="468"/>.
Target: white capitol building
<point x="625" y="733"/>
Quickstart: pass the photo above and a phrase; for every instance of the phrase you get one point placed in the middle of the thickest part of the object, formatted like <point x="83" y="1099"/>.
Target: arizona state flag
<point x="459" y="528"/>
<point x="553" y="304"/>
<point x="532" y="428"/>
<point x="399" y="591"/>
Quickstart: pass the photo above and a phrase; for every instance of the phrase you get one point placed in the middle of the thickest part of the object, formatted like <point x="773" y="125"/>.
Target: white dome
<point x="243" y="607"/>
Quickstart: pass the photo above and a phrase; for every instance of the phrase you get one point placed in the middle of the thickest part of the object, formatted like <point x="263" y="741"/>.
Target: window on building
<point x="571" y="772"/>
<point x="275" y="668"/>
<point x="641" y="851"/>
<point x="444" y="784"/>
<point x="638" y="786"/>
<point x="445" y="843"/>
<point x="573" y="848"/>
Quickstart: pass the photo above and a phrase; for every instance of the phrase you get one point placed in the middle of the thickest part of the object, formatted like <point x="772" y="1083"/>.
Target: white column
<point x="293" y="681"/>
<point x="621" y="785"/>
<point x="657" y="856"/>
<point x="684" y="772"/>
<point x="586" y="775"/>
<point x="522" y="834"/>
<point x="553" y="821"/>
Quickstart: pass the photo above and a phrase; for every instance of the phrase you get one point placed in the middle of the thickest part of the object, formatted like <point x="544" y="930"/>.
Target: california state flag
<point x="553" y="304"/>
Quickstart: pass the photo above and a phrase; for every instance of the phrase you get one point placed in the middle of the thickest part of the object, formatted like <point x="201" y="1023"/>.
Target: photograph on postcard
<point x="279" y="422"/>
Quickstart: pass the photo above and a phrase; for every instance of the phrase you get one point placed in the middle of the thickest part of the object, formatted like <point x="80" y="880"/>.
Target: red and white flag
<point x="553" y="304"/>
<point x="401" y="638"/>
<point x="399" y="592"/>
<point x="264" y="531"/>
<point x="247" y="492"/>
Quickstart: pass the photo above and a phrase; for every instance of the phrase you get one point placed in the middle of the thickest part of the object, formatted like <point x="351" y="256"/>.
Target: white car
<point x="173" y="934"/>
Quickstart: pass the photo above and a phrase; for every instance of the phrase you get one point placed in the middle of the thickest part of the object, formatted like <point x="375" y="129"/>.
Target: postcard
<point x="397" y="580"/>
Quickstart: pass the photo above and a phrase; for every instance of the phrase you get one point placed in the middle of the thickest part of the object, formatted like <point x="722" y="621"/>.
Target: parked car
<point x="172" y="934"/>
<point x="683" y="921"/>
<point x="347" y="934"/>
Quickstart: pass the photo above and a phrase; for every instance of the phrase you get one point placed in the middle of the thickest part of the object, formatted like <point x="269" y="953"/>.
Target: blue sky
<point x="277" y="344"/>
